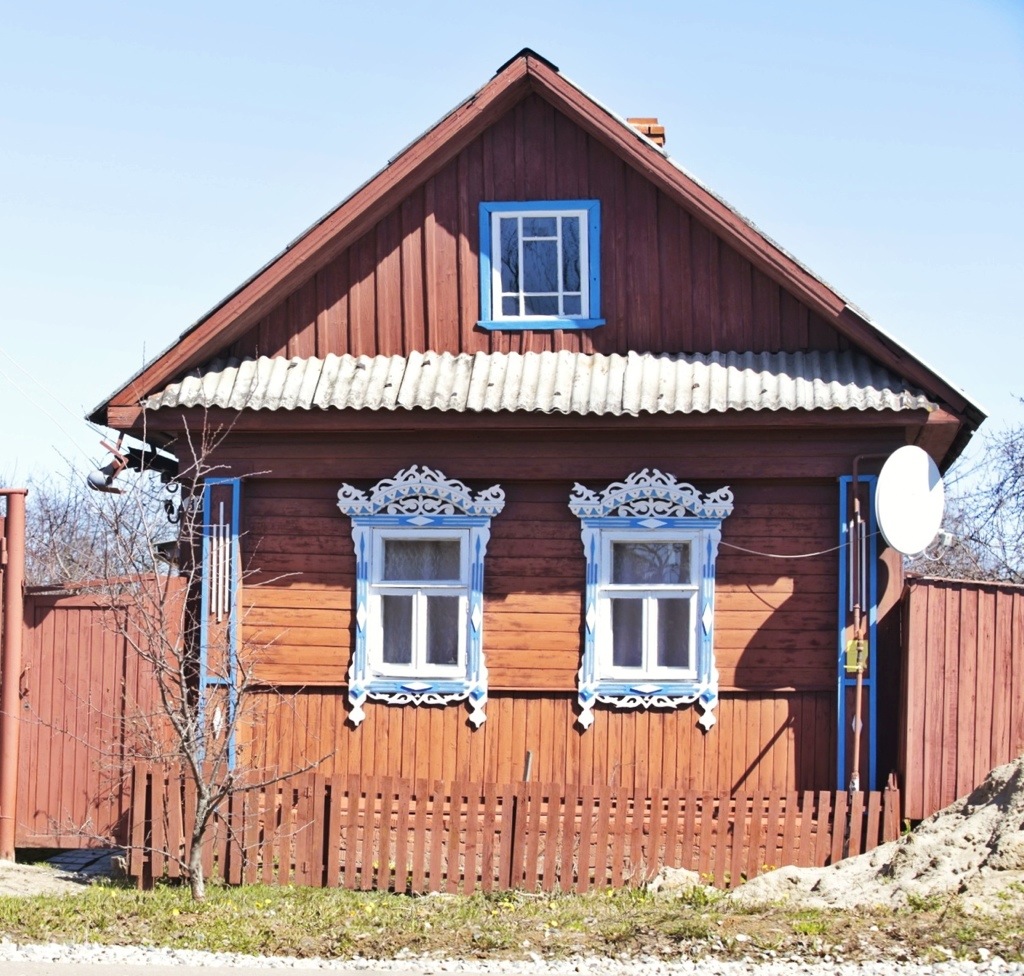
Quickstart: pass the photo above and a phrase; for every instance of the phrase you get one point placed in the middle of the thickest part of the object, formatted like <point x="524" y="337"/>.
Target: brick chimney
<point x="649" y="128"/>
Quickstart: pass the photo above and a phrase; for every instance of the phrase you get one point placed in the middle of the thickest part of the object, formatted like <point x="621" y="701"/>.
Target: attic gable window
<point x="650" y="543"/>
<point x="540" y="265"/>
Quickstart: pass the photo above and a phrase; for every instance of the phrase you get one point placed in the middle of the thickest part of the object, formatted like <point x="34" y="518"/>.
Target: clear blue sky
<point x="152" y="157"/>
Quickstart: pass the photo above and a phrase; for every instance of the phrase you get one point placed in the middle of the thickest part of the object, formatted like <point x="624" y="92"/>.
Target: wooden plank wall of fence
<point x="84" y="693"/>
<point x="963" y="711"/>
<point x="419" y="836"/>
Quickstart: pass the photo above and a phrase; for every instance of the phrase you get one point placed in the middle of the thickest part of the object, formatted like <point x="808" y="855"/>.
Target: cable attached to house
<point x="783" y="555"/>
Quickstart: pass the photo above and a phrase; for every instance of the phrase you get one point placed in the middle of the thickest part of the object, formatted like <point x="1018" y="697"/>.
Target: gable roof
<point x="522" y="75"/>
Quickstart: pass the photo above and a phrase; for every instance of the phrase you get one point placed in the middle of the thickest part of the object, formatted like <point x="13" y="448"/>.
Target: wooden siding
<point x="963" y="712"/>
<point x="775" y="618"/>
<point x="419" y="836"/>
<point x="412" y="282"/>
<point x="767" y="741"/>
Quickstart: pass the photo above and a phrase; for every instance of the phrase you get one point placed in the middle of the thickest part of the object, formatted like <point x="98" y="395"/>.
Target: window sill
<point x="538" y="325"/>
<point x="638" y="678"/>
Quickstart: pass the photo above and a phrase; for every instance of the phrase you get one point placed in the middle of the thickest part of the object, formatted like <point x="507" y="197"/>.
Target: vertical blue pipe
<point x="845" y="682"/>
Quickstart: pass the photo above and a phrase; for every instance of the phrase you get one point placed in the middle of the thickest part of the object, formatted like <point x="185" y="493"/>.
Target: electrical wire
<point x="41" y="407"/>
<point x="782" y="555"/>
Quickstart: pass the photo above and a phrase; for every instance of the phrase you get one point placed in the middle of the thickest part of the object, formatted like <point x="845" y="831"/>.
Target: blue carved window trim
<point x="491" y="315"/>
<point x="418" y="503"/>
<point x="649" y="506"/>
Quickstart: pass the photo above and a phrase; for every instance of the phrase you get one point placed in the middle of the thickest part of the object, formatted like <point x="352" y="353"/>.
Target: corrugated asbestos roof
<point x="548" y="382"/>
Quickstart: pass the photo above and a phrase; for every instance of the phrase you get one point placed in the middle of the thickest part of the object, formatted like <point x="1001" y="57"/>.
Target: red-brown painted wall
<point x="775" y="619"/>
<point x="668" y="284"/>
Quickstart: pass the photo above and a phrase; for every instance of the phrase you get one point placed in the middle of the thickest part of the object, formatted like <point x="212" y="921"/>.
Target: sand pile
<point x="973" y="848"/>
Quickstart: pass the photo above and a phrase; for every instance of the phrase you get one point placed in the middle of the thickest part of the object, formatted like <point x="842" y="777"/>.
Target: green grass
<point x="340" y="924"/>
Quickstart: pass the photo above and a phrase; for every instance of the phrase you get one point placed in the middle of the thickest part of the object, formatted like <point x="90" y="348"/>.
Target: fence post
<point x="513" y="847"/>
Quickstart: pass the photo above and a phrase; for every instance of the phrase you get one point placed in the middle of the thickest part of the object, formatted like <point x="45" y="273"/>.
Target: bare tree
<point x="182" y="627"/>
<point x="985" y="516"/>
<point x="173" y="600"/>
<point x="74" y="534"/>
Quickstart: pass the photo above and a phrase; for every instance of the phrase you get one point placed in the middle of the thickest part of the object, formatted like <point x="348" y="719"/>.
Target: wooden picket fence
<point x="416" y="836"/>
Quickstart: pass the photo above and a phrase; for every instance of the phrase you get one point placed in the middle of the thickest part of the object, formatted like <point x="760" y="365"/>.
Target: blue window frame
<point x="420" y="542"/>
<point x="540" y="265"/>
<point x="650" y="543"/>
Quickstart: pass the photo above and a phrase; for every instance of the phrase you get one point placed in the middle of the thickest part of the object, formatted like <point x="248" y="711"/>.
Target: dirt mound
<point x="973" y="848"/>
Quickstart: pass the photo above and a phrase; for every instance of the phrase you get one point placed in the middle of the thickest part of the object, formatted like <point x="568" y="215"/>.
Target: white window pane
<point x="443" y="630"/>
<point x="397" y="613"/>
<point x="540" y="266"/>
<point x="627" y="633"/>
<point x="571" y="253"/>
<point x="651" y="563"/>
<point x="674" y="633"/>
<point x="509" y="254"/>
<point x="419" y="560"/>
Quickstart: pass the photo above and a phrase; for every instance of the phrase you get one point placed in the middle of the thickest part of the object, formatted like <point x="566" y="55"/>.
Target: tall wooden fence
<point x="85" y="691"/>
<point x="417" y="836"/>
<point x="963" y="704"/>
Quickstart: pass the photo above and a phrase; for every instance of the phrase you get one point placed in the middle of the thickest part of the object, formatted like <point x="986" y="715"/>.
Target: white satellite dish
<point x="909" y="500"/>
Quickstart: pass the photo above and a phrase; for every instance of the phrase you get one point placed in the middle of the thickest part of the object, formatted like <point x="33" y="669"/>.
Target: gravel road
<point x="93" y="960"/>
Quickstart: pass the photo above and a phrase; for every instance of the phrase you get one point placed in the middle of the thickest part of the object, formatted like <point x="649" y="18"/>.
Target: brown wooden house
<point x="537" y="446"/>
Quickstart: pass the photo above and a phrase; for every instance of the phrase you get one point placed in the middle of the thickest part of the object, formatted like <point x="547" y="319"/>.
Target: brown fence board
<point x="547" y="820"/>
<point x="873" y="820"/>
<point x="655" y="849"/>
<point x="739" y="826"/>
<point x="723" y="821"/>
<point x="489" y="864"/>
<point x="270" y="815"/>
<point x="789" y="830"/>
<point x="822" y="849"/>
<point x="601" y="815"/>
<point x="570" y="831"/>
<point x="586" y="829"/>
<point x="437" y="836"/>
<point x="839" y="827"/>
<point x="618" y="839"/>
<point x="506" y="867"/>
<point x="283" y="835"/>
<point x="470" y="872"/>
<point x="250" y="834"/>
<point x="857" y="824"/>
<point x="452" y="840"/>
<point x="637" y="858"/>
<point x="141" y="791"/>
<point x="386" y="834"/>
